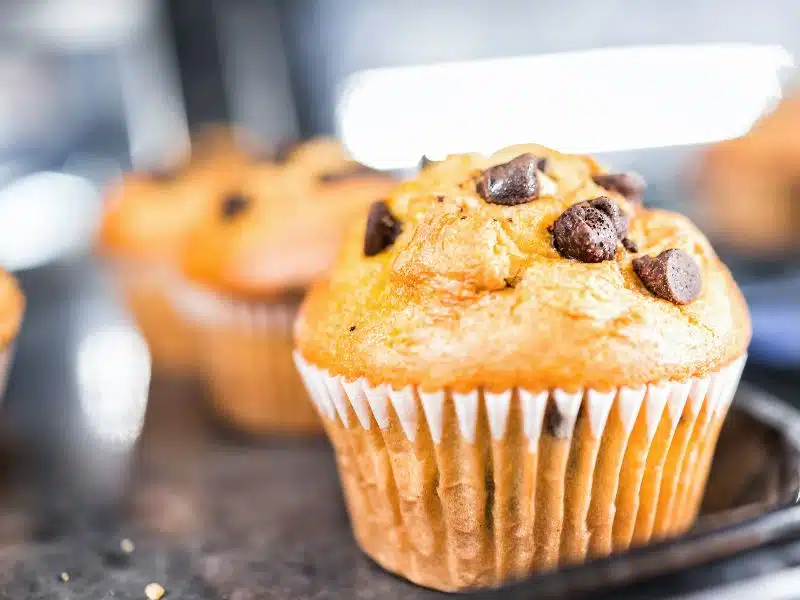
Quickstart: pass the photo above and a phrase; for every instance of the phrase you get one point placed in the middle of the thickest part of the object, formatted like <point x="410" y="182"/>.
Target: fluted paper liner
<point x="247" y="350"/>
<point x="171" y="339"/>
<point x="461" y="490"/>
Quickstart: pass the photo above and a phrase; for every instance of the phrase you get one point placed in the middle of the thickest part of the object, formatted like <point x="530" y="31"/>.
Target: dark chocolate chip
<point x="585" y="233"/>
<point x="618" y="218"/>
<point x="672" y="275"/>
<point x="512" y="183"/>
<point x="350" y="172"/>
<point x="630" y="245"/>
<point x="629" y="185"/>
<point x="284" y="150"/>
<point x="233" y="205"/>
<point x="382" y="229"/>
<point x="351" y="328"/>
<point x="440" y="199"/>
<point x="553" y="420"/>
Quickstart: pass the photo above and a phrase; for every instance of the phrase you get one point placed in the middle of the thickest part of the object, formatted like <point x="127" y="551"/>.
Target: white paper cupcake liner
<point x="456" y="490"/>
<point x="248" y="359"/>
<point x="170" y="338"/>
<point x="209" y="309"/>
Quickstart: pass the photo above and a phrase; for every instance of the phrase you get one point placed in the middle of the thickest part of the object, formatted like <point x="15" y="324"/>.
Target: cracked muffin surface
<point x="462" y="278"/>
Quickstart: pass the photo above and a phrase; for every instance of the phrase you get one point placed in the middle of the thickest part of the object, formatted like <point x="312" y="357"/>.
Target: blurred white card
<point x="591" y="101"/>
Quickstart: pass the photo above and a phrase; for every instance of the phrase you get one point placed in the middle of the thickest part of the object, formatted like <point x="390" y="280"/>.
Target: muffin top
<point x="528" y="268"/>
<point x="12" y="306"/>
<point x="280" y="226"/>
<point x="148" y="214"/>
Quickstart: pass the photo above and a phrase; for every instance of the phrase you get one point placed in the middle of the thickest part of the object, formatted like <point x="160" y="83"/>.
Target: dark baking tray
<point x="215" y="516"/>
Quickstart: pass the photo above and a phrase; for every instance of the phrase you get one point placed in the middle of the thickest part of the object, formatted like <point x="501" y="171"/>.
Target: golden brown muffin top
<point x="12" y="307"/>
<point x="148" y="214"/>
<point x="281" y="227"/>
<point x="473" y="293"/>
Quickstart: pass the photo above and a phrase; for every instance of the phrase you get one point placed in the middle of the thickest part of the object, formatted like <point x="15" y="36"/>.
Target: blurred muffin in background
<point x="146" y="219"/>
<point x="12" y="308"/>
<point x="245" y="271"/>
<point x="749" y="186"/>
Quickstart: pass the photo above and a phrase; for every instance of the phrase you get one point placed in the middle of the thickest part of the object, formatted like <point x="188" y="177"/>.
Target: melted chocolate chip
<point x="351" y="328"/>
<point x="512" y="183"/>
<point x="233" y="205"/>
<point x="672" y="275"/>
<point x="382" y="229"/>
<point x="629" y="185"/>
<point x="349" y="172"/>
<point x="585" y="233"/>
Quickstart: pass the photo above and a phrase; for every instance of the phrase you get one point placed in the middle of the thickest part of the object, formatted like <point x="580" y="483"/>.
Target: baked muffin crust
<point x="473" y="293"/>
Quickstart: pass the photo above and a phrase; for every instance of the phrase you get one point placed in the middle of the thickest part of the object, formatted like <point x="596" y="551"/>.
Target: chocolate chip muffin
<point x="146" y="218"/>
<point x="520" y="367"/>
<point x="244" y="272"/>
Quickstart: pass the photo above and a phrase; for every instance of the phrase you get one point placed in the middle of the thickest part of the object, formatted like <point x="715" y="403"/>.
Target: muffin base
<point x="457" y="491"/>
<point x="171" y="339"/>
<point x="247" y="350"/>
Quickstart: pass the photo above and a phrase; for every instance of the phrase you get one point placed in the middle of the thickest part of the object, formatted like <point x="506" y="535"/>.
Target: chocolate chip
<point x="585" y="233"/>
<point x="440" y="199"/>
<point x="382" y="229"/>
<point x="618" y="218"/>
<point x="233" y="205"/>
<point x="672" y="275"/>
<point x="350" y="172"/>
<point x="512" y="183"/>
<point x="629" y="185"/>
<point x="629" y="245"/>
<point x="351" y="328"/>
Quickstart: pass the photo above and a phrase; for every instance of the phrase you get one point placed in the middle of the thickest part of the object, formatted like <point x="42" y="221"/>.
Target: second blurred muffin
<point x="245" y="271"/>
<point x="146" y="219"/>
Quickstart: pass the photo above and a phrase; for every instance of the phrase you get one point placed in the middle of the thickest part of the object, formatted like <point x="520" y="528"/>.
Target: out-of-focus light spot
<point x="593" y="101"/>
<point x="44" y="216"/>
<point x="113" y="368"/>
